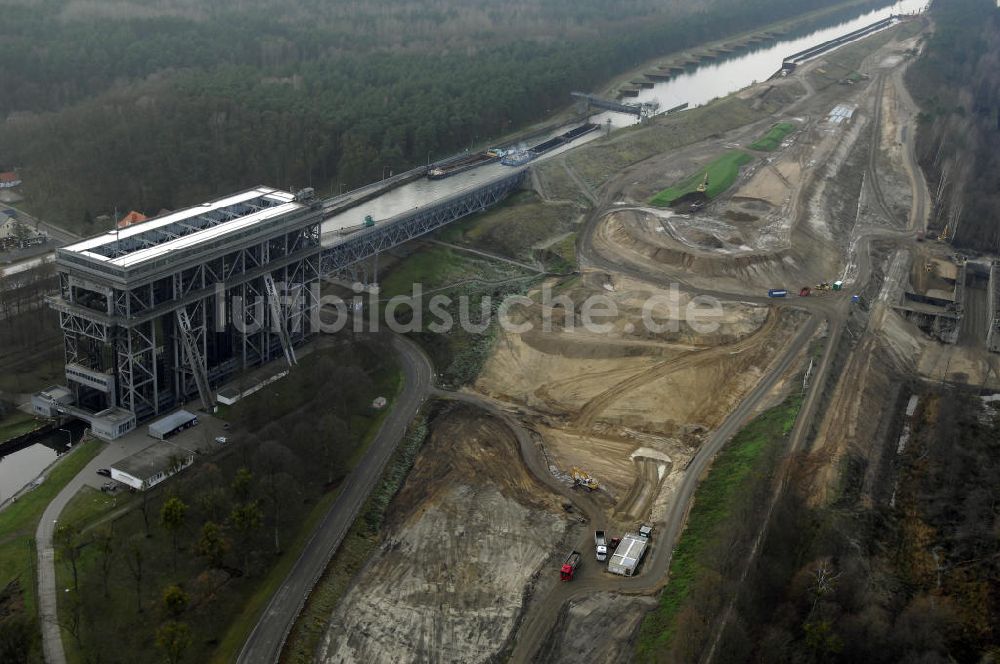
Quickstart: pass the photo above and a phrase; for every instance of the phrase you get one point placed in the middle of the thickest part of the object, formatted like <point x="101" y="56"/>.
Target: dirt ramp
<point x="466" y="533"/>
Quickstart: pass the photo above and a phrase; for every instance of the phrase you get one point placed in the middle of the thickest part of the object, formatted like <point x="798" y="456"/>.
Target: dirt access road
<point x="835" y="310"/>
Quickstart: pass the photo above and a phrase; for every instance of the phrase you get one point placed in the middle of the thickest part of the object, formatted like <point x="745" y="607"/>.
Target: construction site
<point x="830" y="285"/>
<point x="768" y="247"/>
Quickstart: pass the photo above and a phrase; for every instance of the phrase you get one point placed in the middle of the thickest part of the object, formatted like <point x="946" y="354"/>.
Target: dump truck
<point x="569" y="566"/>
<point x="601" y="545"/>
<point x="777" y="292"/>
<point x="838" y="285"/>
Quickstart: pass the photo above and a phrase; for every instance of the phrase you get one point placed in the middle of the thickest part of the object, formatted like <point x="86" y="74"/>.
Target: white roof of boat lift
<point x="284" y="202"/>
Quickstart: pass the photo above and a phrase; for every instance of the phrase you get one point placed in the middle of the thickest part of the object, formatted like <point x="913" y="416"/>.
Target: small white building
<point x="151" y="466"/>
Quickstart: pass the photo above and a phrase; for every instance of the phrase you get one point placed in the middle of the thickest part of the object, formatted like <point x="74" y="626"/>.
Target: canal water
<point x="723" y="77"/>
<point x="20" y="468"/>
<point x="697" y="87"/>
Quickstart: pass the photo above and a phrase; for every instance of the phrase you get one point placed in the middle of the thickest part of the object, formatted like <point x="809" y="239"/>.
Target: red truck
<point x="805" y="292"/>
<point x="569" y="566"/>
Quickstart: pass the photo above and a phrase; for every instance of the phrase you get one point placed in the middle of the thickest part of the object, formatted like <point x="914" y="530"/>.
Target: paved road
<point x="268" y="636"/>
<point x="52" y="646"/>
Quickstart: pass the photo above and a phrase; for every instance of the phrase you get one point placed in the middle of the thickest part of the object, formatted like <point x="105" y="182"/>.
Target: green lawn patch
<point x="770" y="141"/>
<point x="714" y="500"/>
<point x="19" y="520"/>
<point x="16" y="424"/>
<point x="88" y="505"/>
<point x="722" y="173"/>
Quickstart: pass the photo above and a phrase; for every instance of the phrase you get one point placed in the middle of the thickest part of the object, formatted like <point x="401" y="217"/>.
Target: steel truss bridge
<point x="402" y="228"/>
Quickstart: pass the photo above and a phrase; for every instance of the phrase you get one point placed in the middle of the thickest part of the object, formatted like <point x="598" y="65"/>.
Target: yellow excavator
<point x="582" y="478"/>
<point x="703" y="187"/>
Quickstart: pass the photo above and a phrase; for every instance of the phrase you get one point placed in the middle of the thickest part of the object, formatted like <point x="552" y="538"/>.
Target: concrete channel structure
<point x="164" y="311"/>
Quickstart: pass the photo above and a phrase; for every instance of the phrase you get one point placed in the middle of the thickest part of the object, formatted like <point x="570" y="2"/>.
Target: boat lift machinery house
<point x="146" y="311"/>
<point x="165" y="311"/>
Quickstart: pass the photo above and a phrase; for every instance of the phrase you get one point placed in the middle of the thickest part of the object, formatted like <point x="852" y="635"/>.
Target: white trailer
<point x="628" y="555"/>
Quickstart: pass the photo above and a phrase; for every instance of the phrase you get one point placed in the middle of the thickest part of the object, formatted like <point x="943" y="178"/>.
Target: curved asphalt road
<point x="268" y="636"/>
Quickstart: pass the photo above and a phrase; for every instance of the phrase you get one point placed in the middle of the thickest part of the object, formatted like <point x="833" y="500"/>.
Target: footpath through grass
<point x="770" y="141"/>
<point x="722" y="173"/>
<point x="737" y="465"/>
<point x="19" y="520"/>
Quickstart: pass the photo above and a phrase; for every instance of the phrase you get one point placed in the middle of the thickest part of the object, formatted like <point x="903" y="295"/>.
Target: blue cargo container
<point x="777" y="292"/>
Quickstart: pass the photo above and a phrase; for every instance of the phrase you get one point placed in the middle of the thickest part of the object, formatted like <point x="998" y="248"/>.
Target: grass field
<point x="88" y="505"/>
<point x="19" y="520"/>
<point x="714" y="501"/>
<point x="722" y="173"/>
<point x="770" y="141"/>
<point x="16" y="424"/>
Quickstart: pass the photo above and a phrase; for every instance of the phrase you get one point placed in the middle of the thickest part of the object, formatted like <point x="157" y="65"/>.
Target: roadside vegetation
<point x="722" y="172"/>
<point x="770" y="141"/>
<point x="19" y="631"/>
<point x="184" y="572"/>
<point x="729" y="498"/>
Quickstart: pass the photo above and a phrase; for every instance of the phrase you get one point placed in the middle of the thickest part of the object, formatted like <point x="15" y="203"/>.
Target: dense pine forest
<point x="151" y="104"/>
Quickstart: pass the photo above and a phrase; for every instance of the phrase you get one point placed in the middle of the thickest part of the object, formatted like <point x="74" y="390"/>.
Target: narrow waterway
<point x="22" y="467"/>
<point x="695" y="87"/>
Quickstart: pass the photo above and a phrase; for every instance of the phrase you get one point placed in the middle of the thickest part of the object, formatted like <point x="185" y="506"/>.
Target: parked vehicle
<point x="601" y="545"/>
<point x="221" y="440"/>
<point x="569" y="566"/>
<point x="104" y="472"/>
<point x="777" y="292"/>
<point x="805" y="292"/>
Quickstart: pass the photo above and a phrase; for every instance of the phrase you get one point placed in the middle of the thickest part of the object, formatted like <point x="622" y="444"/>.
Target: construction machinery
<point x="703" y="187"/>
<point x="823" y="286"/>
<point x="944" y="236"/>
<point x="805" y="291"/>
<point x="569" y="566"/>
<point x="583" y="479"/>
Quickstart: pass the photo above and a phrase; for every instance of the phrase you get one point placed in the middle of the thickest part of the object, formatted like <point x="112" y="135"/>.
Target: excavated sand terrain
<point x="470" y="529"/>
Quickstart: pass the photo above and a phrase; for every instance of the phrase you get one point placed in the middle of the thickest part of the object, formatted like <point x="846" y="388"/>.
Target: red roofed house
<point x="9" y="180"/>
<point x="132" y="217"/>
